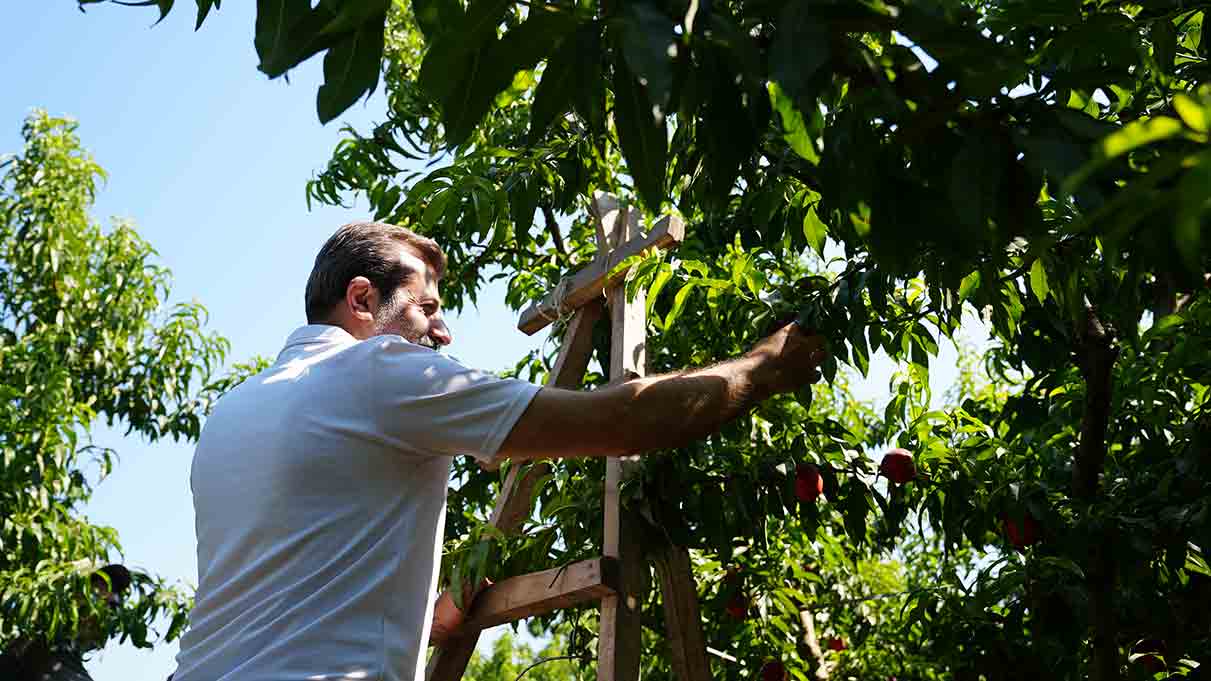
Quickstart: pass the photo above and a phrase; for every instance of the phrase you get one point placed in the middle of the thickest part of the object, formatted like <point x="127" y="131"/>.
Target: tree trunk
<point x="1097" y="352"/>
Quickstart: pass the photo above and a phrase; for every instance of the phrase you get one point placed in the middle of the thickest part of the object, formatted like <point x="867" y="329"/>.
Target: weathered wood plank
<point x="620" y="639"/>
<point x="589" y="283"/>
<point x="619" y="642"/>
<point x="683" y="622"/>
<point x="538" y="593"/>
<point x="520" y="597"/>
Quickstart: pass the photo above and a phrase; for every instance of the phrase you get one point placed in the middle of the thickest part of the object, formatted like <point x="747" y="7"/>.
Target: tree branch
<point x="1096" y="354"/>
<point x="553" y="229"/>
<point x="824" y="667"/>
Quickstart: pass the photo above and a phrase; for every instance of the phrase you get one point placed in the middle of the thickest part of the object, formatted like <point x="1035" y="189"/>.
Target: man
<point x="320" y="484"/>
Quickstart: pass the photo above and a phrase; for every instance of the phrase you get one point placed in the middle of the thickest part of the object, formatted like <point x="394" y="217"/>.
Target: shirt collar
<point x="319" y="333"/>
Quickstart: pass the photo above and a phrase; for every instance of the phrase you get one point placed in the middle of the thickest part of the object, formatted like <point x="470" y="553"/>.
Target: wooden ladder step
<point x="538" y="593"/>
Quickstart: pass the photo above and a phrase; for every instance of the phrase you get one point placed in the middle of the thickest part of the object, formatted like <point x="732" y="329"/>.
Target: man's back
<point x="320" y="498"/>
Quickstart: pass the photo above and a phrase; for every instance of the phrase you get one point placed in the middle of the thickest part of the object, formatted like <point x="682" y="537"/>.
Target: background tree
<point x="897" y="167"/>
<point x="511" y="659"/>
<point x="85" y="334"/>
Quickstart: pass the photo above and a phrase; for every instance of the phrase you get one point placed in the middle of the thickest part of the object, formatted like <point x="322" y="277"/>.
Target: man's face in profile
<point x="414" y="309"/>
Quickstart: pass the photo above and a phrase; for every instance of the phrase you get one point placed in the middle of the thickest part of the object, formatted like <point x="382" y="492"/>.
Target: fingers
<point x="812" y="339"/>
<point x="779" y="323"/>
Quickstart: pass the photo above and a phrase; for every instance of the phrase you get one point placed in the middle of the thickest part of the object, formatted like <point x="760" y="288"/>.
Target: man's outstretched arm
<point x="661" y="412"/>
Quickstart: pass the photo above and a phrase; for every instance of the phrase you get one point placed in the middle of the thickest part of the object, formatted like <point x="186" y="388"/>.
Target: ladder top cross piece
<point x="618" y="238"/>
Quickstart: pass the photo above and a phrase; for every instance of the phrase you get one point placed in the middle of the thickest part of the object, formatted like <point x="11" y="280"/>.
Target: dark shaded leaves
<point x="799" y="49"/>
<point x="204" y="7"/>
<point x="649" y="45"/>
<point x="642" y="135"/>
<point x="464" y="76"/>
<point x="351" y="69"/>
<point x="571" y="77"/>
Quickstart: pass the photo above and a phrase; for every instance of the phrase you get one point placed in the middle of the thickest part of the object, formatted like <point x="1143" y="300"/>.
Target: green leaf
<point x="204" y="7"/>
<point x="1196" y="564"/>
<point x="1127" y="138"/>
<point x="1204" y="44"/>
<point x="436" y="208"/>
<point x="287" y="32"/>
<point x="523" y="202"/>
<point x="354" y="14"/>
<point x="679" y="302"/>
<point x="969" y="283"/>
<point x="1138" y="133"/>
<point x="1195" y="114"/>
<point x="556" y="90"/>
<point x="643" y="136"/>
<point x="1168" y="323"/>
<point x="649" y="45"/>
<point x="1164" y="43"/>
<point x="464" y="75"/>
<point x="976" y="178"/>
<point x="794" y="131"/>
<point x="1194" y="202"/>
<point x="351" y="69"/>
<point x="814" y="230"/>
<point x="165" y="7"/>
<point x="727" y="108"/>
<point x="662" y="278"/>
<point x="1038" y="280"/>
<point x="799" y="49"/>
<point x="435" y="16"/>
<point x="857" y="504"/>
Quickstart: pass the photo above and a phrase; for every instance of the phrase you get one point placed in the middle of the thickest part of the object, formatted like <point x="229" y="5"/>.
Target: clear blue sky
<point x="210" y="159"/>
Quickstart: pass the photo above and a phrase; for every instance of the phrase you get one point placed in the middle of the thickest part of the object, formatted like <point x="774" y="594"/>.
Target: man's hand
<point x="789" y="358"/>
<point x="447" y="618"/>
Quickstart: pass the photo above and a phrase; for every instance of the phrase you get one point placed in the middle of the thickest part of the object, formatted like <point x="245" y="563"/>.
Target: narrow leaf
<point x="814" y="230"/>
<point x="288" y="32"/>
<point x="642" y="135"/>
<point x="794" y="131"/>
<point x="556" y="89"/>
<point x="1195" y="114"/>
<point x="1138" y="133"/>
<point x="204" y="7"/>
<point x="969" y="283"/>
<point x="662" y="278"/>
<point x="465" y="77"/>
<point x="799" y="49"/>
<point x="1038" y="280"/>
<point x="679" y="303"/>
<point x="648" y="45"/>
<point x="1194" y="201"/>
<point x="353" y="14"/>
<point x="165" y="8"/>
<point x="351" y="69"/>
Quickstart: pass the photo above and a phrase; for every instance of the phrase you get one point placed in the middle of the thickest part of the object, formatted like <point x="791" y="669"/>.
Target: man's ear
<point x="361" y="299"/>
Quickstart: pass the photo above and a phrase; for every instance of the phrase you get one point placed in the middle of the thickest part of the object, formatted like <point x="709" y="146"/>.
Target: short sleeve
<point x="428" y="403"/>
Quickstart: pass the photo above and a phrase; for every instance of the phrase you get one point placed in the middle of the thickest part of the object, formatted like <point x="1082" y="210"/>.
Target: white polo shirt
<point x="320" y="492"/>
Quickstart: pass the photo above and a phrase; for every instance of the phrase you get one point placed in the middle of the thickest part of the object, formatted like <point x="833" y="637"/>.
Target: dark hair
<point x="366" y="249"/>
<point x="119" y="578"/>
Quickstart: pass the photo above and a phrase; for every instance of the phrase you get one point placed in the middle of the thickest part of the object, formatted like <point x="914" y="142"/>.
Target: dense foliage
<point x="511" y="659"/>
<point x="85" y="334"/>
<point x="899" y="167"/>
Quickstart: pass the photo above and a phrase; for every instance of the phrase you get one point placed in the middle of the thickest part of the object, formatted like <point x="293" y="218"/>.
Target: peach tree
<point x="86" y="336"/>
<point x="901" y="169"/>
